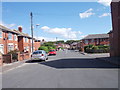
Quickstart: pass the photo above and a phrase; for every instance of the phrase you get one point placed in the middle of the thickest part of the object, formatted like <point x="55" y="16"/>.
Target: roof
<point x="22" y="34"/>
<point x="3" y="28"/>
<point x="93" y="36"/>
<point x="110" y="32"/>
<point x="74" y="43"/>
<point x="115" y="0"/>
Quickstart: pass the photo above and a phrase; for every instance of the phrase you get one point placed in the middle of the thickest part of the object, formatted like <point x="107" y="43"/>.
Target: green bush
<point x="49" y="47"/>
<point x="44" y="48"/>
<point x="96" y="49"/>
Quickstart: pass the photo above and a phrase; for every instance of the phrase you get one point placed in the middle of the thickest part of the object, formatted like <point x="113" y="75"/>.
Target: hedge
<point x="96" y="49"/>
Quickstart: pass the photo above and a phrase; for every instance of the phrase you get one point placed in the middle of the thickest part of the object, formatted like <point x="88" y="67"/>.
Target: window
<point x="30" y="40"/>
<point x="37" y="52"/>
<point x="2" y="48"/>
<point x="86" y="41"/>
<point x="26" y="40"/>
<point x="0" y="34"/>
<point x="9" y="36"/>
<point x="10" y="47"/>
<point x="26" y="48"/>
<point x="16" y="46"/>
<point x="15" y="37"/>
<point x="92" y="41"/>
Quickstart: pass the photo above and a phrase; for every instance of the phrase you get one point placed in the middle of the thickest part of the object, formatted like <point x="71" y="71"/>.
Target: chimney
<point x="20" y="28"/>
<point x="43" y="40"/>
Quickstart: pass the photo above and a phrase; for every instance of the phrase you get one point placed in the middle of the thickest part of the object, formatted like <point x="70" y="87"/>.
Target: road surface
<point x="68" y="69"/>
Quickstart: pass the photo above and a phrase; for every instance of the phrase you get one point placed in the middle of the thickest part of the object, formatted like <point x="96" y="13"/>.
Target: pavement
<point x="68" y="69"/>
<point x="106" y="57"/>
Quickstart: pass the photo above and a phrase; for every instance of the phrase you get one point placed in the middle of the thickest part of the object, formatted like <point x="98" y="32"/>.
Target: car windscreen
<point x="38" y="52"/>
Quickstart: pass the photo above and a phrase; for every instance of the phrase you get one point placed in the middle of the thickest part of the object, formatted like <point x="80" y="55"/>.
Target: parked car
<point x="52" y="52"/>
<point x="39" y="55"/>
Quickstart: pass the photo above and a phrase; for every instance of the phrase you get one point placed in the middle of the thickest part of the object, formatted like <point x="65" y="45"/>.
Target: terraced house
<point x="15" y="39"/>
<point x="8" y="40"/>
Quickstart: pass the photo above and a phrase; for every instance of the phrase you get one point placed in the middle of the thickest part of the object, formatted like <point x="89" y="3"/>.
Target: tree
<point x="71" y="41"/>
<point x="60" y="41"/>
<point x="44" y="48"/>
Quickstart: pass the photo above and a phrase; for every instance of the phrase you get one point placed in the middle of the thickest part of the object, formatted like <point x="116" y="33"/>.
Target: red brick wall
<point x="5" y="41"/>
<point x="115" y="48"/>
<point x="20" y="44"/>
<point x="1" y="60"/>
<point x="24" y="56"/>
<point x="36" y="45"/>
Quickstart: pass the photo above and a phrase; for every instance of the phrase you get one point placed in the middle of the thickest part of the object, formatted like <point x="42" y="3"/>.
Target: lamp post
<point x="31" y="15"/>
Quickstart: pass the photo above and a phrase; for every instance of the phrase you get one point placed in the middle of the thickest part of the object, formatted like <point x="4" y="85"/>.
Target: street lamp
<point x="31" y="15"/>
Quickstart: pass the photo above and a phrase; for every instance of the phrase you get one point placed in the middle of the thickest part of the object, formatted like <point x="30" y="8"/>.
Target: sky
<point x="64" y="20"/>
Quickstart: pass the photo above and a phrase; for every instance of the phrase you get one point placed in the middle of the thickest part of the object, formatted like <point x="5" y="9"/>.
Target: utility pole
<point x="31" y="15"/>
<point x="56" y="40"/>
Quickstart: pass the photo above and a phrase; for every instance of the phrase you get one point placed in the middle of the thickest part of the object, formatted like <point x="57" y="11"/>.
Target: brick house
<point x="8" y="40"/>
<point x="115" y="33"/>
<point x="24" y="41"/>
<point x="16" y="39"/>
<point x="95" y="39"/>
<point x="36" y="44"/>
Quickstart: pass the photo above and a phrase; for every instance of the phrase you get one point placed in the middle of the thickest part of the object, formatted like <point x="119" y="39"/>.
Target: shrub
<point x="96" y="49"/>
<point x="44" y="48"/>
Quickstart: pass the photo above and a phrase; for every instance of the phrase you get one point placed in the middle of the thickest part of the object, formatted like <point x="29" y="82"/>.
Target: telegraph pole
<point x="31" y="15"/>
<point x="56" y="40"/>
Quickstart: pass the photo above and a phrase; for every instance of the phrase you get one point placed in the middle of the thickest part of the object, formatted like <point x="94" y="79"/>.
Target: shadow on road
<point x="78" y="63"/>
<point x="34" y="61"/>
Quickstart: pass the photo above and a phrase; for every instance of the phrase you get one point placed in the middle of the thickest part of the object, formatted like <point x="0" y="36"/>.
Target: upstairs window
<point x="0" y="34"/>
<point x="15" y="37"/>
<point x="86" y="41"/>
<point x="9" y="36"/>
<point x="26" y="40"/>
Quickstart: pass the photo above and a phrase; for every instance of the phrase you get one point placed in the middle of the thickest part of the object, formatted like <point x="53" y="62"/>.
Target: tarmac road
<point x="68" y="69"/>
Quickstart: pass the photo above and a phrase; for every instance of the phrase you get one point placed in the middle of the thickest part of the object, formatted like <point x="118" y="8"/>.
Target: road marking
<point x="15" y="68"/>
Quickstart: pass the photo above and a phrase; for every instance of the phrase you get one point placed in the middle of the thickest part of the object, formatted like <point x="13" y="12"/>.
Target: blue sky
<point x="64" y="20"/>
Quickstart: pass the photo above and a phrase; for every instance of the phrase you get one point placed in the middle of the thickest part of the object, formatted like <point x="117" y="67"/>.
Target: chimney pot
<point x="20" y="28"/>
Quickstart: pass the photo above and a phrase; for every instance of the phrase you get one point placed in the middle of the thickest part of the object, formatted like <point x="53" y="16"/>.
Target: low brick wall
<point x="23" y="56"/>
<point x="1" y="60"/>
<point x="7" y="58"/>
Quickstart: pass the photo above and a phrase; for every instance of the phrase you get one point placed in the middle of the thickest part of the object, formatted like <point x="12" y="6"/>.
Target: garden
<point x="97" y="49"/>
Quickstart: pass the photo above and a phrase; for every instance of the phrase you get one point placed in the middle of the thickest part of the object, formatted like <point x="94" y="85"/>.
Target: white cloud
<point x="67" y="33"/>
<point x="105" y="2"/>
<point x="104" y="15"/>
<point x="87" y="13"/>
<point x="45" y="28"/>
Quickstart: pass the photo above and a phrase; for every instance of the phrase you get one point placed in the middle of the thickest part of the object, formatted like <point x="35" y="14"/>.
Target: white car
<point x="39" y="55"/>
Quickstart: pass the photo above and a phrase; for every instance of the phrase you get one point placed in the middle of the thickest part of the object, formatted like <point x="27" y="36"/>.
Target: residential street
<point x="68" y="69"/>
